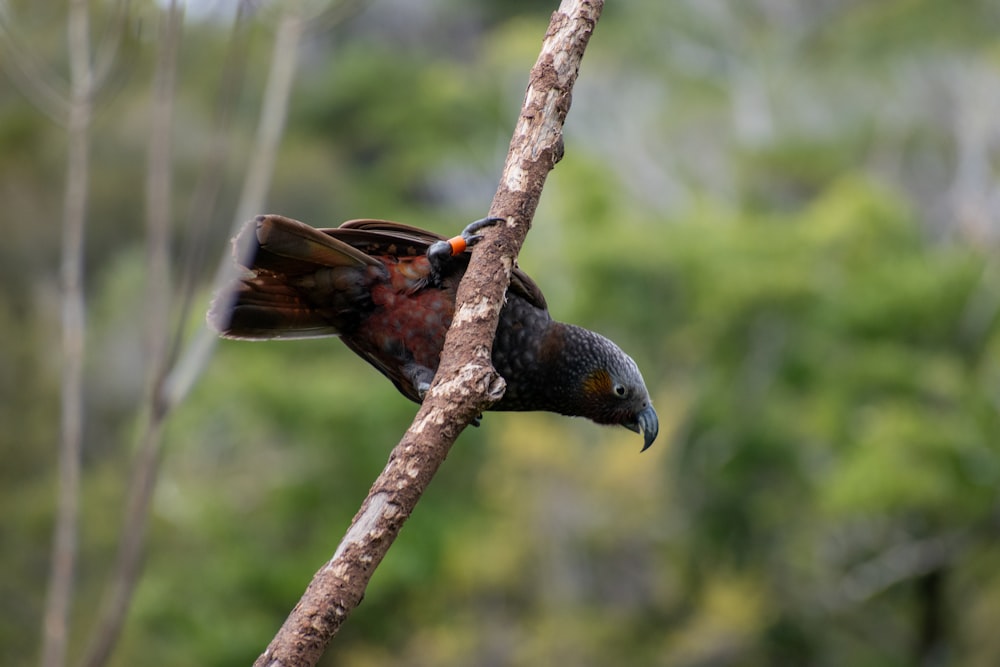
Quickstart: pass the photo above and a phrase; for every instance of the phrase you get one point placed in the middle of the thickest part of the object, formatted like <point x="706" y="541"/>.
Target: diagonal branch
<point x="256" y="183"/>
<point x="466" y="381"/>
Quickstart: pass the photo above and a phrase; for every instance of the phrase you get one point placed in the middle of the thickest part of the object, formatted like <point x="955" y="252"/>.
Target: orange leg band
<point x="457" y="244"/>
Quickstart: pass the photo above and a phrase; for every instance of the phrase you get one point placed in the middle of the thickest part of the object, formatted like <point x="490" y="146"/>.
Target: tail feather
<point x="284" y="259"/>
<point x="264" y="307"/>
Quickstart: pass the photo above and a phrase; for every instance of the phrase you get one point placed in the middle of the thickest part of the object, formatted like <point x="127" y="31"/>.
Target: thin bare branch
<point x="256" y="184"/>
<point x="39" y="82"/>
<point x="32" y="77"/>
<point x="64" y="548"/>
<point x="203" y="206"/>
<point x="125" y="572"/>
<point x="272" y="116"/>
<point x="110" y="42"/>
<point x="159" y="185"/>
<point x="165" y="392"/>
<point x="466" y="381"/>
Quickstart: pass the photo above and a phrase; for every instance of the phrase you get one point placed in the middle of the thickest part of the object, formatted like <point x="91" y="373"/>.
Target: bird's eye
<point x="620" y="390"/>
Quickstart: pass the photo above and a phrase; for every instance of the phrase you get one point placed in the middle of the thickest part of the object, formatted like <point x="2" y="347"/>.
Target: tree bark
<point x="466" y="382"/>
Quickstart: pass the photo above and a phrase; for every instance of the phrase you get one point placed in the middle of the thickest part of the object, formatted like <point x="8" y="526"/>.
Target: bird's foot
<point x="420" y="378"/>
<point x="423" y="386"/>
<point x="441" y="251"/>
<point x="422" y="389"/>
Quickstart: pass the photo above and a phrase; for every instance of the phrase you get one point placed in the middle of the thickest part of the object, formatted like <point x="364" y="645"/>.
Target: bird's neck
<point x="542" y="370"/>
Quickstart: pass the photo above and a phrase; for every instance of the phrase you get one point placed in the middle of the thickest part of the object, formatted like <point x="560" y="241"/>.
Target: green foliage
<point x="816" y="320"/>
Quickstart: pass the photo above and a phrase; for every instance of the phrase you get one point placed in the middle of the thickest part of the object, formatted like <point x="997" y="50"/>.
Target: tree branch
<point x="466" y="382"/>
<point x="256" y="184"/>
<point x="125" y="574"/>
<point x="169" y="383"/>
<point x="64" y="547"/>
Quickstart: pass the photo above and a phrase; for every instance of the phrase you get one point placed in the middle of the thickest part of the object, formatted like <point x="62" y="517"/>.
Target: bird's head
<point x="606" y="385"/>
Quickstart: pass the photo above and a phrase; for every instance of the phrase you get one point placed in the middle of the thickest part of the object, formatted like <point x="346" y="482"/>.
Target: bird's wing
<point x="384" y="237"/>
<point x="292" y="247"/>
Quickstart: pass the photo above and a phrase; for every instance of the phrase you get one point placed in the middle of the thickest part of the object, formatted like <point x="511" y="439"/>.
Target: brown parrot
<point x="388" y="291"/>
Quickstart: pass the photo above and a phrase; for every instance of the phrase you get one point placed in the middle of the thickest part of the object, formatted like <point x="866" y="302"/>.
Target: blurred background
<point x="787" y="212"/>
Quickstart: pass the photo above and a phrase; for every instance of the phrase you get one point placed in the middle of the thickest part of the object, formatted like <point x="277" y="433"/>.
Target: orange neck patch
<point x="597" y="383"/>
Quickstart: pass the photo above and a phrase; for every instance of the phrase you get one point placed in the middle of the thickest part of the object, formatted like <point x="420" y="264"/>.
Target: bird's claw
<point x="422" y="389"/>
<point x="440" y="252"/>
<point x="469" y="233"/>
<point x="419" y="377"/>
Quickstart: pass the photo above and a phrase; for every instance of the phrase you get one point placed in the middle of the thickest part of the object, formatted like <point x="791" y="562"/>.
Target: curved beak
<point x="646" y="423"/>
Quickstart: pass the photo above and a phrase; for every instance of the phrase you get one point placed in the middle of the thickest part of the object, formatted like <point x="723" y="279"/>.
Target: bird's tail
<point x="299" y="283"/>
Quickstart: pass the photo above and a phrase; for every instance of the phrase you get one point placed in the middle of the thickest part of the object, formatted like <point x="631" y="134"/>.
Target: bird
<point x="387" y="290"/>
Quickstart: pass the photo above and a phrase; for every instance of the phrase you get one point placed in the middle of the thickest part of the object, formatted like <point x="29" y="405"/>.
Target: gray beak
<point x="648" y="424"/>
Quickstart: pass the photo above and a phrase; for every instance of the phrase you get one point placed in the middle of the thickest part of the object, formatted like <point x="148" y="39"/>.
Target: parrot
<point x="387" y="290"/>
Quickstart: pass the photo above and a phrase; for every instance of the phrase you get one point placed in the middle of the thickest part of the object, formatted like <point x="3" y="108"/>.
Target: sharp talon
<point x="469" y="233"/>
<point x="419" y="377"/>
<point x="439" y="251"/>
<point x="469" y="237"/>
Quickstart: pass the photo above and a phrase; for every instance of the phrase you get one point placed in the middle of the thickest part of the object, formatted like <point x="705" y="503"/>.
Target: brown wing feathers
<point x="286" y="259"/>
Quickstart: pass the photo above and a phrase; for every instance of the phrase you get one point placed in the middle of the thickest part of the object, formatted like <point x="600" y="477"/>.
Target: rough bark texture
<point x="466" y="381"/>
